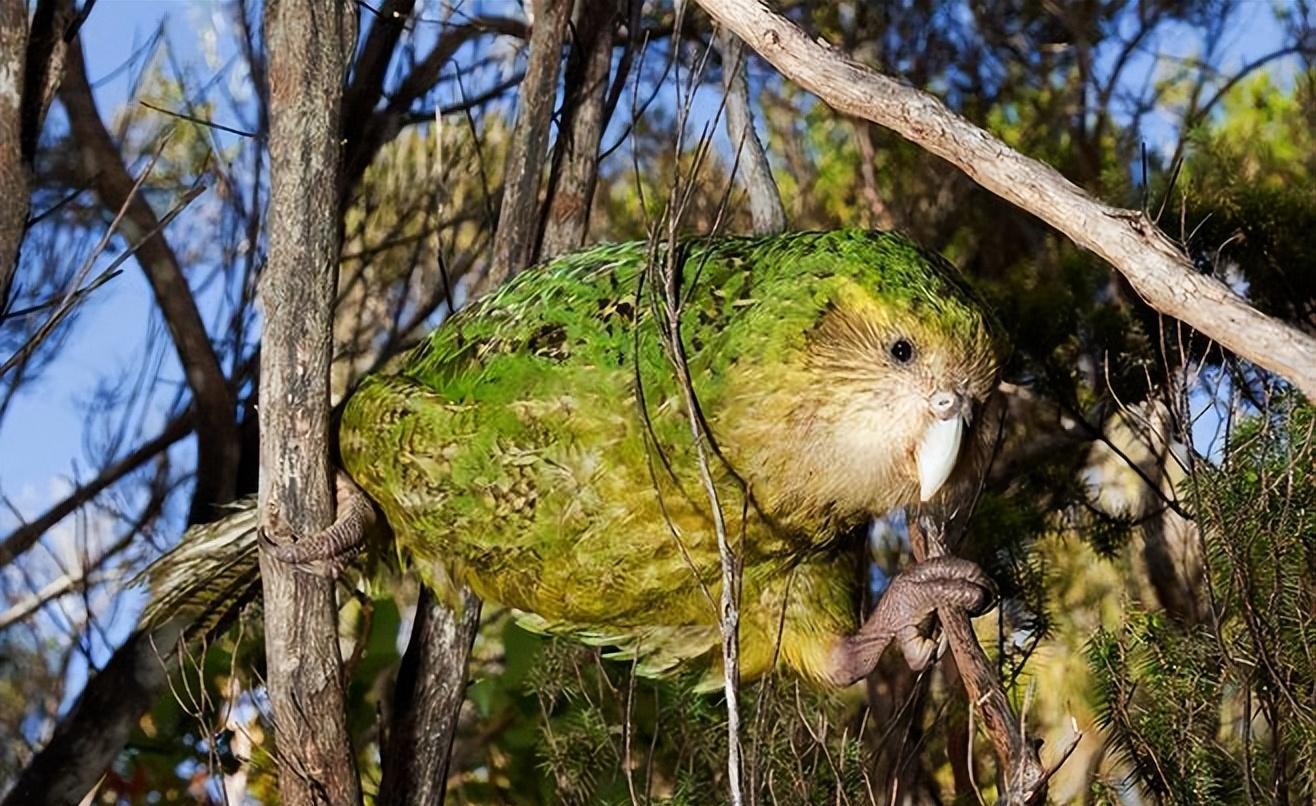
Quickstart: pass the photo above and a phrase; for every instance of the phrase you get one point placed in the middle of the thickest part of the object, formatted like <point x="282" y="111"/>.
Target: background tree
<point x="1142" y="516"/>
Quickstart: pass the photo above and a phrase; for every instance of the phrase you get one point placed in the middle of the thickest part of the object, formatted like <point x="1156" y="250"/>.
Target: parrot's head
<point x="906" y="379"/>
<point x="880" y="399"/>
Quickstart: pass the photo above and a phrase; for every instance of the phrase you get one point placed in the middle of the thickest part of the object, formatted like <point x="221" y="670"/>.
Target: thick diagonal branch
<point x="103" y="168"/>
<point x="1153" y="265"/>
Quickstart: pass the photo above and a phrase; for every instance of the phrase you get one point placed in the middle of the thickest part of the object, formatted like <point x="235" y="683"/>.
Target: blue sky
<point x="44" y="436"/>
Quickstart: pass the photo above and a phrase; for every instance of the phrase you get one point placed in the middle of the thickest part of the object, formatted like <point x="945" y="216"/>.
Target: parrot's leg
<point x="324" y="552"/>
<point x="906" y="612"/>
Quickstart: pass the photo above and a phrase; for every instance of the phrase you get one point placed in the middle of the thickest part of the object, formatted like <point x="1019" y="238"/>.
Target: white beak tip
<point x="938" y="450"/>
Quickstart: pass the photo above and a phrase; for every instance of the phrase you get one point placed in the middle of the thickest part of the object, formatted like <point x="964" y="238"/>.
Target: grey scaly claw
<point x="327" y="552"/>
<point x="907" y="612"/>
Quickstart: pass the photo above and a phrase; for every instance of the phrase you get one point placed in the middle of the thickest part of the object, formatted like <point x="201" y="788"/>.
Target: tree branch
<point x="1153" y="265"/>
<point x="371" y="64"/>
<point x="1019" y="768"/>
<point x="102" y="165"/>
<point x="308" y="43"/>
<point x="364" y="137"/>
<point x="22" y="538"/>
<point x="765" y="207"/>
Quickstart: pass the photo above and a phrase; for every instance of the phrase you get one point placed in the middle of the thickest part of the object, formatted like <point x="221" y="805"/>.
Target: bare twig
<point x="78" y="293"/>
<point x="1020" y="771"/>
<point x="210" y="124"/>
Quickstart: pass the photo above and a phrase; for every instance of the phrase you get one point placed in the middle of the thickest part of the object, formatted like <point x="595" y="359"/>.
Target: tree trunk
<point x="576" y="155"/>
<point x="308" y="42"/>
<point x="518" y="219"/>
<point x="427" y="701"/>
<point x="13" y="173"/>
<point x="431" y="683"/>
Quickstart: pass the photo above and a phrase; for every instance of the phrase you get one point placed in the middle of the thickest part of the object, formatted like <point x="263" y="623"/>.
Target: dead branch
<point x="370" y="67"/>
<point x="1158" y="269"/>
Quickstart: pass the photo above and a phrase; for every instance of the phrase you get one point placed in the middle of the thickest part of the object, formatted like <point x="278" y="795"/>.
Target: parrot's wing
<point x="655" y="651"/>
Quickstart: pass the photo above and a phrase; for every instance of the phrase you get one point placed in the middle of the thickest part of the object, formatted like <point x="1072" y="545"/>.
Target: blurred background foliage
<point x="1150" y="516"/>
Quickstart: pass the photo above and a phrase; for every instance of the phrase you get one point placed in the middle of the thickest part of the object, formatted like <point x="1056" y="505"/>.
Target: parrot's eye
<point x="902" y="351"/>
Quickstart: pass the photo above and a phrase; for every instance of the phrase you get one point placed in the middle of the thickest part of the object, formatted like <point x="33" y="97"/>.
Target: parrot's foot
<point x="906" y="612"/>
<point x="325" y="553"/>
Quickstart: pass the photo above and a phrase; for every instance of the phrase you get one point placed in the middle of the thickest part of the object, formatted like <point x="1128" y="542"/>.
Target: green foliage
<point x="1227" y="713"/>
<point x="576" y="729"/>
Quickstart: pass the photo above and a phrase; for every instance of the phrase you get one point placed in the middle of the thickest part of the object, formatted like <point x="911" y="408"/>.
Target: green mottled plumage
<point x="516" y="448"/>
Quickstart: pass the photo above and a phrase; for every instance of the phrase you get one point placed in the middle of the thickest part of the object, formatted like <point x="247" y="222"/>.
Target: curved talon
<point x="324" y="552"/>
<point x="907" y="612"/>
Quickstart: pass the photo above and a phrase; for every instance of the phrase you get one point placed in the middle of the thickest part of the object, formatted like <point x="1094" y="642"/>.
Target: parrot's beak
<point x="939" y="447"/>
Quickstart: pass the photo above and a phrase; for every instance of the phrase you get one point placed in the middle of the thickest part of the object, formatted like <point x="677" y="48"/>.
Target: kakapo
<point x="537" y="447"/>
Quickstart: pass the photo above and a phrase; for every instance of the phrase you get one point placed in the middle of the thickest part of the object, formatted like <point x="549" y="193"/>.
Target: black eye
<point x="902" y="351"/>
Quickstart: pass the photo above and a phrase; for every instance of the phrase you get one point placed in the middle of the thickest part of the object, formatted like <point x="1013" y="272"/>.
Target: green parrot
<point x="537" y="447"/>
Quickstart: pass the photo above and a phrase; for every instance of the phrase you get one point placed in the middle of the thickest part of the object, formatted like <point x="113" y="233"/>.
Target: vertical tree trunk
<point x="308" y="42"/>
<point x="13" y="173"/>
<point x="576" y="155"/>
<point x="431" y="683"/>
<point x="427" y="701"/>
<point x="518" y="218"/>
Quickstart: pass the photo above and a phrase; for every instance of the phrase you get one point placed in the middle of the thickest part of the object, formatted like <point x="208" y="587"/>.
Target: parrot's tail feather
<point x="212" y="573"/>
